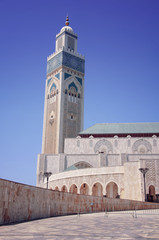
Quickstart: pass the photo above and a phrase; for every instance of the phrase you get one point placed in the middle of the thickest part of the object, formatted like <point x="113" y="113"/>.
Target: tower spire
<point x="67" y="21"/>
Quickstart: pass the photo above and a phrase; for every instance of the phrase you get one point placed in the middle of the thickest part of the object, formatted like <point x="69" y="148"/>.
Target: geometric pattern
<point x="151" y="174"/>
<point x="52" y="86"/>
<point x="73" y="62"/>
<point x="66" y="75"/>
<point x="54" y="63"/>
<point x="79" y="80"/>
<point x="103" y="142"/>
<point x="57" y="75"/>
<point x="66" y="59"/>
<point x="73" y="85"/>
<point x="141" y="142"/>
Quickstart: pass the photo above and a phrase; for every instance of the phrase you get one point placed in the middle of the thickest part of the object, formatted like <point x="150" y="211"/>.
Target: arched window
<point x="82" y="164"/>
<point x="152" y="194"/>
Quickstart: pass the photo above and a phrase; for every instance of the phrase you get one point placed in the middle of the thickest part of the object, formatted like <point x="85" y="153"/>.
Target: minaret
<point x="64" y="93"/>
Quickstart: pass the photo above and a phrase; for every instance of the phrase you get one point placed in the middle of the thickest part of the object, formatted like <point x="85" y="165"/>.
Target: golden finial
<point x="67" y="21"/>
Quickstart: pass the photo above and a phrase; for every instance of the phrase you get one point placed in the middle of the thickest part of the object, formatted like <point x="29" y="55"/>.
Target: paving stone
<point x="87" y="226"/>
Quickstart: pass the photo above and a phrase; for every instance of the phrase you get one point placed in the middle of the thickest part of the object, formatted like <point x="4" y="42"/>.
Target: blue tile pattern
<point x="66" y="75"/>
<point x="57" y="75"/>
<point x="73" y="62"/>
<point x="66" y="59"/>
<point x="48" y="81"/>
<point x="80" y="80"/>
<point x="54" y="63"/>
<point x="72" y="84"/>
<point x="52" y="86"/>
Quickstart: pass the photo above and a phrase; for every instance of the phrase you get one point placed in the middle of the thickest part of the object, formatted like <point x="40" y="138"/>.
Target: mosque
<point x="116" y="160"/>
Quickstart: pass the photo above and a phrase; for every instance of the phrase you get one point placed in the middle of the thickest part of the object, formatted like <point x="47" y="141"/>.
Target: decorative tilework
<point x="80" y="80"/>
<point x="66" y="59"/>
<point x="48" y="81"/>
<point x="73" y="62"/>
<point x="52" y="86"/>
<point x="66" y="75"/>
<point x="72" y="84"/>
<point x="57" y="75"/>
<point x="54" y="63"/>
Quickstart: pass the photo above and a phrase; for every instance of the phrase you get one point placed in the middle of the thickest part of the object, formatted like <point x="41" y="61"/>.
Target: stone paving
<point x="123" y="225"/>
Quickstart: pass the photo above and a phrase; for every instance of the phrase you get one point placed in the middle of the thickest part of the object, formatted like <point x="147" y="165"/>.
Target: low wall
<point x="19" y="202"/>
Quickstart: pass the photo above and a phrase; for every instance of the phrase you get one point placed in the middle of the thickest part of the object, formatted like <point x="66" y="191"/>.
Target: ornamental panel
<point x="57" y="75"/>
<point x="72" y="84"/>
<point x="73" y="62"/>
<point x="79" y="80"/>
<point x="52" y="86"/>
<point x="103" y="143"/>
<point x="66" y="59"/>
<point x="139" y="143"/>
<point x="54" y="63"/>
<point x="67" y="75"/>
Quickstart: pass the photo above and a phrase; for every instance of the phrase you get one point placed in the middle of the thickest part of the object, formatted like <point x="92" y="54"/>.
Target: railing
<point x="131" y="213"/>
<point x="134" y="212"/>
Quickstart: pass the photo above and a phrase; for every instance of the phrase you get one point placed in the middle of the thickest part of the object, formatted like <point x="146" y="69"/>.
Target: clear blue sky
<point x="120" y="41"/>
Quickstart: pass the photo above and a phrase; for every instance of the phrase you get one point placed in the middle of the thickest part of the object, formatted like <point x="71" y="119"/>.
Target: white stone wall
<point x="132" y="181"/>
<point x="90" y="176"/>
<point x="127" y="178"/>
<point x="92" y="159"/>
<point x="119" y="163"/>
<point x="129" y="145"/>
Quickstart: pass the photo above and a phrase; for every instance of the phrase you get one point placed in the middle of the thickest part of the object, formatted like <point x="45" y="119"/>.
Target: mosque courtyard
<point x="116" y="225"/>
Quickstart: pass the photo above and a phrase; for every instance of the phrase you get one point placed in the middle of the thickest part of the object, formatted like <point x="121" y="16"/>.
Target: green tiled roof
<point x="122" y="128"/>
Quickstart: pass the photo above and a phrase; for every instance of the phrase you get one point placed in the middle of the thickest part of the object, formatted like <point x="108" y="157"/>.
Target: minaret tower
<point x="64" y="93"/>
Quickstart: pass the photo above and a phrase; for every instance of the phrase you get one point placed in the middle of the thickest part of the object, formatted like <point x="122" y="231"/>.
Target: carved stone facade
<point x="64" y="100"/>
<point x="103" y="160"/>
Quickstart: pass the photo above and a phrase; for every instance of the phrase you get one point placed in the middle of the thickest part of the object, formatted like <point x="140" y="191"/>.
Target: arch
<point x="56" y="188"/>
<point x="82" y="164"/>
<point x="152" y="194"/>
<point x="72" y="85"/>
<point x="97" y="189"/>
<point x="84" y="189"/>
<point x="142" y="146"/>
<point x="116" y="141"/>
<point x="64" y="189"/>
<point x="73" y="188"/>
<point x="112" y="190"/>
<point x="103" y="144"/>
<point x="154" y="137"/>
<point x="53" y="86"/>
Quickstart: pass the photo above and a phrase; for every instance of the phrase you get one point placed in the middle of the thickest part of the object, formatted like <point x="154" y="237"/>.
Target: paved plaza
<point x="123" y="225"/>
